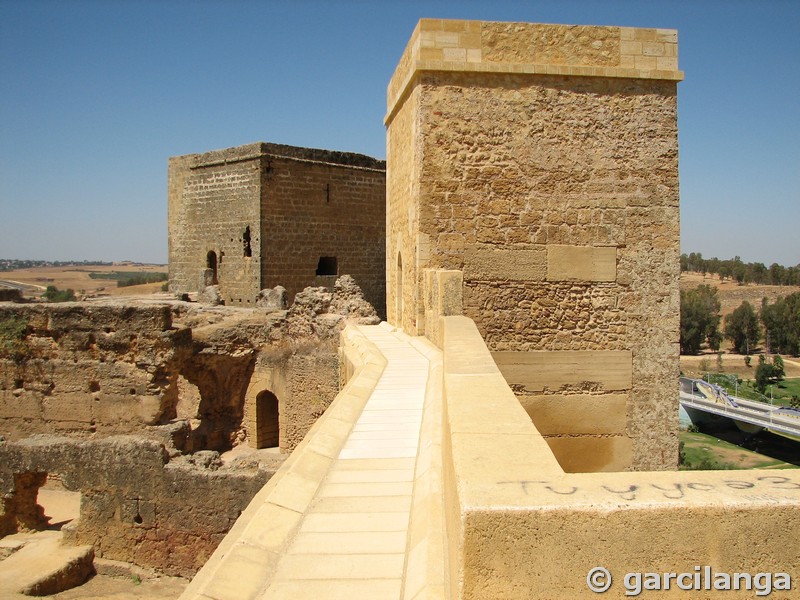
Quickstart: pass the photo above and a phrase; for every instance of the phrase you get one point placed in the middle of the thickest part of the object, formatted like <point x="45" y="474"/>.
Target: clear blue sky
<point x="97" y="95"/>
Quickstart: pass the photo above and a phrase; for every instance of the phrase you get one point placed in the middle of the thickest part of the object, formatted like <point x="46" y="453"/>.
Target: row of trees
<point x="742" y="272"/>
<point x="777" y="323"/>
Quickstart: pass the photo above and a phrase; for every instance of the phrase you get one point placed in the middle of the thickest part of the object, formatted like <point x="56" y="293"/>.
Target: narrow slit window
<point x="248" y="251"/>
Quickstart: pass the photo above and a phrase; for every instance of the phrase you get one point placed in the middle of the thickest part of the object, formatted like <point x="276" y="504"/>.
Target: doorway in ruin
<point x="398" y="294"/>
<point x="37" y="502"/>
<point x="211" y="264"/>
<point x="61" y="506"/>
<point x="267" y="425"/>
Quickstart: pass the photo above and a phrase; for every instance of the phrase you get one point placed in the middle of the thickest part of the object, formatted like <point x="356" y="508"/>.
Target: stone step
<point x="42" y="565"/>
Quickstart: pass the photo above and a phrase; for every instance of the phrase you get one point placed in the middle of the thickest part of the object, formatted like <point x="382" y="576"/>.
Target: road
<point x="748" y="411"/>
<point x="22" y="287"/>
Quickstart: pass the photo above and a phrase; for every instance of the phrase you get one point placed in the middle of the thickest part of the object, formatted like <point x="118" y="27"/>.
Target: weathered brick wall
<point x="322" y="209"/>
<point x="137" y="503"/>
<point x="219" y="198"/>
<point x="549" y="177"/>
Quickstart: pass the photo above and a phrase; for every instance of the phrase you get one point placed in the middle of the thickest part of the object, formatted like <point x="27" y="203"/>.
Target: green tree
<point x="699" y="318"/>
<point x="768" y="373"/>
<point x="53" y="294"/>
<point x="742" y="328"/>
<point x="782" y="324"/>
<point x="13" y="332"/>
<point x="764" y="376"/>
<point x="777" y="368"/>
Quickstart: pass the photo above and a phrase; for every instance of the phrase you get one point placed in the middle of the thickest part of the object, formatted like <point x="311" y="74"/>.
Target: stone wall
<point x="86" y="370"/>
<point x="276" y="215"/>
<point x="186" y="384"/>
<point x="219" y="194"/>
<point x="402" y="217"/>
<point x="518" y="526"/>
<point x="315" y="210"/>
<point x="137" y="504"/>
<point x="541" y="161"/>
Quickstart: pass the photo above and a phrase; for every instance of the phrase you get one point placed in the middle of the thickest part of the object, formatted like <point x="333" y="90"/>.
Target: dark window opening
<point x="211" y="263"/>
<point x="267" y="420"/>
<point x="327" y="266"/>
<point x="248" y="251"/>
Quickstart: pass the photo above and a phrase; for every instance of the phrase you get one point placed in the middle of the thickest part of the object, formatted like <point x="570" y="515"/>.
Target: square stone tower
<point x="263" y="214"/>
<point x="542" y="162"/>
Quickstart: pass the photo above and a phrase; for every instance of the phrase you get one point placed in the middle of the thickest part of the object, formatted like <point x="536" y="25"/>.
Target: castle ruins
<point x="522" y="245"/>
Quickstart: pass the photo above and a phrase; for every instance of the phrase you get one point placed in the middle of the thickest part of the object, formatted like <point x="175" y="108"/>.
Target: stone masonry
<point x="261" y="215"/>
<point x="542" y="162"/>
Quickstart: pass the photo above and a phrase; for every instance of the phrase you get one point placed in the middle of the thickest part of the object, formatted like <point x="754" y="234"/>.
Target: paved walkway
<point x="352" y="541"/>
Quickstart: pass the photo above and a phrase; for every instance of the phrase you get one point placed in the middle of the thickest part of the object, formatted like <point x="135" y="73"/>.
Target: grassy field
<point x="706" y="452"/>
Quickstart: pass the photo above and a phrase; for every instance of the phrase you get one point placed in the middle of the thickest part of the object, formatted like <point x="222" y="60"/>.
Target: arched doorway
<point x="398" y="293"/>
<point x="211" y="264"/>
<point x="267" y="425"/>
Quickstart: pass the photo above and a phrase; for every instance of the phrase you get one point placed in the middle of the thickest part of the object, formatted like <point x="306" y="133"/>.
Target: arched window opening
<point x="267" y="424"/>
<point x="327" y="266"/>
<point x="211" y="263"/>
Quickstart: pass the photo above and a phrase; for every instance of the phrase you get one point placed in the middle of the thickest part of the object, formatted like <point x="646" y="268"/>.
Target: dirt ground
<point x="77" y="278"/>
<point x="731" y="294"/>
<point x="734" y="364"/>
<point x="102" y="587"/>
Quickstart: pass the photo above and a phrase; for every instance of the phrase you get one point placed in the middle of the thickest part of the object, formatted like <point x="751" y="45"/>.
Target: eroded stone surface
<point x="186" y="386"/>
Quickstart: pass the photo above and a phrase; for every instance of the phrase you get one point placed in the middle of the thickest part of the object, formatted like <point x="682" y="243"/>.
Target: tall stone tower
<point x="542" y="162"/>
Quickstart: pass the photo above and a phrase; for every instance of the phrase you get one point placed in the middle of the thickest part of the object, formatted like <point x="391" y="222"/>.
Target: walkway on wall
<point x="352" y="542"/>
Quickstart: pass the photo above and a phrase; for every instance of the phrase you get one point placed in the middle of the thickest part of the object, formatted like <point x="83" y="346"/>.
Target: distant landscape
<point x="740" y="326"/>
<point x="85" y="278"/>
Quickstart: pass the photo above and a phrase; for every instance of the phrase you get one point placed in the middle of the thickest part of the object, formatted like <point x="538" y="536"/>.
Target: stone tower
<point x="541" y="161"/>
<point x="261" y="215"/>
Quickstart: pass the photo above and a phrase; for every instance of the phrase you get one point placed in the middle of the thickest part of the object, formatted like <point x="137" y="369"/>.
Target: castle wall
<point x="315" y="209"/>
<point x="85" y="370"/>
<point x="549" y="176"/>
<point x="216" y="199"/>
<point x="137" y="504"/>
<point x="402" y="217"/>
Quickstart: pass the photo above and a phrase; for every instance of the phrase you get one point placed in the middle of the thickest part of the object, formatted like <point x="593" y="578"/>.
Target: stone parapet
<point x="518" y="526"/>
<point x="535" y="49"/>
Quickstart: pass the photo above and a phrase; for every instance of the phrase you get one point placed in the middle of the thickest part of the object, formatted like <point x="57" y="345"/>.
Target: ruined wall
<point x="102" y="368"/>
<point x="86" y="370"/>
<point x="549" y="177"/>
<point x="183" y="381"/>
<point x="321" y="209"/>
<point x="269" y="213"/>
<point x="137" y="504"/>
<point x="214" y="207"/>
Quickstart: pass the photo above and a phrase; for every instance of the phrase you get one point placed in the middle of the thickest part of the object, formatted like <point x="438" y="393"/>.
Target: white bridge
<point x="749" y="415"/>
